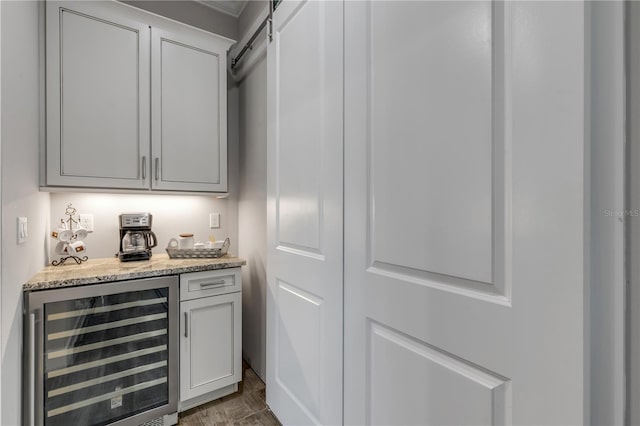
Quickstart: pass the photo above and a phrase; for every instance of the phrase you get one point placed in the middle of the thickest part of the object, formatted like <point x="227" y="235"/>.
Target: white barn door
<point x="304" y="213"/>
<point x="465" y="213"/>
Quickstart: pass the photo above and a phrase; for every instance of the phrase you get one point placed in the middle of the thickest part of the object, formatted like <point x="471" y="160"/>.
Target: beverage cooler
<point x="101" y="354"/>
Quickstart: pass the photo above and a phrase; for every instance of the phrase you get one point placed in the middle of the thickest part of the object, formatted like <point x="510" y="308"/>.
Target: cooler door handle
<point x="32" y="368"/>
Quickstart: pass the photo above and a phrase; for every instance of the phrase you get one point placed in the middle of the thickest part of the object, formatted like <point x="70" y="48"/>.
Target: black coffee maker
<point x="136" y="237"/>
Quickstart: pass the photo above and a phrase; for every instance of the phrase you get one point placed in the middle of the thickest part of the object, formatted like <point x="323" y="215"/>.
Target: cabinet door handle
<point x="214" y="283"/>
<point x="144" y="167"/>
<point x="157" y="168"/>
<point x="186" y="324"/>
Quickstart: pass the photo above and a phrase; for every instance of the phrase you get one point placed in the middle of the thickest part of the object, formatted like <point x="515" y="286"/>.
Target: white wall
<point x="233" y="153"/>
<point x="20" y="195"/>
<point x="607" y="195"/>
<point x="172" y="215"/>
<point x="252" y="77"/>
<point x="252" y="214"/>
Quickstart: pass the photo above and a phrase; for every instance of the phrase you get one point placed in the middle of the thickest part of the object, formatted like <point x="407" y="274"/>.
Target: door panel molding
<point x="300" y="251"/>
<point x="170" y="169"/>
<point x="300" y="130"/>
<point x="298" y="346"/>
<point x="456" y="285"/>
<point x="68" y="155"/>
<point x="496" y="286"/>
<point x="463" y="378"/>
<point x="96" y="141"/>
<point x="200" y="315"/>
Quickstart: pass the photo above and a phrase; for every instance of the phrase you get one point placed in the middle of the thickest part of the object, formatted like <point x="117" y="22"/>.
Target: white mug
<point x="81" y="234"/>
<point x="62" y="234"/>
<point x="61" y="248"/>
<point x="76" y="247"/>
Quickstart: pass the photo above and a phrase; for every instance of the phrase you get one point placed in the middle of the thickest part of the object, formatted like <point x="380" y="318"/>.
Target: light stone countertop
<point x="96" y="271"/>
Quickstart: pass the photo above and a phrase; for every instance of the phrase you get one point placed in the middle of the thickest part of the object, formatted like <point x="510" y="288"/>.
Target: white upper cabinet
<point x="97" y="96"/>
<point x="188" y="100"/>
<point x="134" y="101"/>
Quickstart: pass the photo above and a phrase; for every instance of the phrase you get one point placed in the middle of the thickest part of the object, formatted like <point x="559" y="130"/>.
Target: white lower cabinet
<point x="210" y="336"/>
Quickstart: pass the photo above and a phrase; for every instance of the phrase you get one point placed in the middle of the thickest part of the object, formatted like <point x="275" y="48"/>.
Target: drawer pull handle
<point x="212" y="284"/>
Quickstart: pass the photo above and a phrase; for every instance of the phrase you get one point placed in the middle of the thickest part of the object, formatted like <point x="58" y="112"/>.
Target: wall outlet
<point x="86" y="221"/>
<point x="214" y="220"/>
<point x="23" y="231"/>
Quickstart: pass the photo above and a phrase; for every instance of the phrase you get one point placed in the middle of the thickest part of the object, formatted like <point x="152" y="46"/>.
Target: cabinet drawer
<point x="209" y="283"/>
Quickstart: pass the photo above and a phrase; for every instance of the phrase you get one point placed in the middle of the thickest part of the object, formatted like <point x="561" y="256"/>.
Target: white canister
<point x="186" y="241"/>
<point x="183" y="242"/>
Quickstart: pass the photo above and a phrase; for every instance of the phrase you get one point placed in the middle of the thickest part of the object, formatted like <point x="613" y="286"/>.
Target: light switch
<point x="23" y="231"/>
<point x="214" y="220"/>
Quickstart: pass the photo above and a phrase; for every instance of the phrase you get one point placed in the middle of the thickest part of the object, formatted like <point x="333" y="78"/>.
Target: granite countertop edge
<point x="36" y="283"/>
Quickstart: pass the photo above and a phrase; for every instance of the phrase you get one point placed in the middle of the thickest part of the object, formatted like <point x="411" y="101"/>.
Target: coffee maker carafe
<point x="136" y="237"/>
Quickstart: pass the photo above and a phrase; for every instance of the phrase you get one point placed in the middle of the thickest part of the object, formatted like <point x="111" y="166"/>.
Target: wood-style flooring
<point x="245" y="407"/>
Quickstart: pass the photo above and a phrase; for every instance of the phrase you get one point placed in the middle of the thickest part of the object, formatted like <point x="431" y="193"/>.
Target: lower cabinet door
<point x="210" y="344"/>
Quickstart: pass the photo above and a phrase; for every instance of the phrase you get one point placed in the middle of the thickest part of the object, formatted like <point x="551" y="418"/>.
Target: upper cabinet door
<point x="97" y="96"/>
<point x="189" y="110"/>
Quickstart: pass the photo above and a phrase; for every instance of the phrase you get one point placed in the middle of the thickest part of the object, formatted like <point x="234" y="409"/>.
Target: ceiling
<point x="230" y="7"/>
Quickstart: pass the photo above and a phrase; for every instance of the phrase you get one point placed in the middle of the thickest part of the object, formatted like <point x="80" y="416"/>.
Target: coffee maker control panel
<point x="135" y="220"/>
